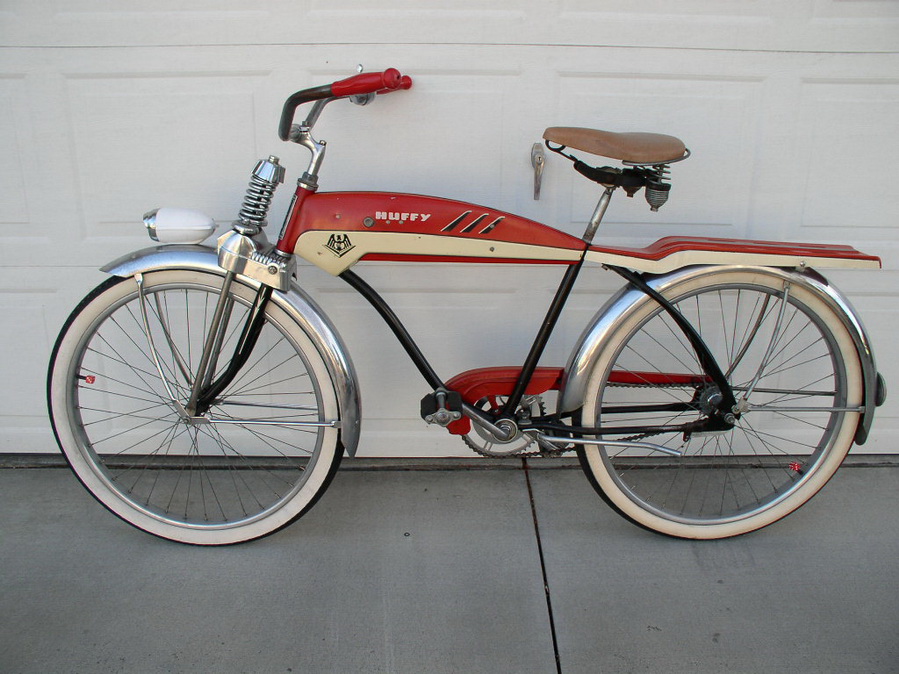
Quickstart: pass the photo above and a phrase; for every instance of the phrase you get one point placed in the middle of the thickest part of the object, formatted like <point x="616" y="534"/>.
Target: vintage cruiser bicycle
<point x="201" y="395"/>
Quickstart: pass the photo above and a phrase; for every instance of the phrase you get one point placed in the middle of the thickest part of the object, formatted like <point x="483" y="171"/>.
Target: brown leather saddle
<point x="634" y="147"/>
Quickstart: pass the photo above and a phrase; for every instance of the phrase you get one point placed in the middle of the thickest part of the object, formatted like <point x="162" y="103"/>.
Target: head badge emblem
<point x="339" y="244"/>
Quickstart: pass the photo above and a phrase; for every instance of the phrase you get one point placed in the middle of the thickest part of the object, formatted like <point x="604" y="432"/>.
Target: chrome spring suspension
<point x="245" y="249"/>
<point x="267" y="175"/>
<point x="657" y="186"/>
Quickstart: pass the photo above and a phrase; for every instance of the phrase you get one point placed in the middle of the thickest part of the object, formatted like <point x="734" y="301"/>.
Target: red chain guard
<point x="473" y="385"/>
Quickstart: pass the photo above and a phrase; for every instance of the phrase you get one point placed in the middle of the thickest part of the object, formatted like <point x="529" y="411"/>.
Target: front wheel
<point x="795" y="374"/>
<point x="120" y="377"/>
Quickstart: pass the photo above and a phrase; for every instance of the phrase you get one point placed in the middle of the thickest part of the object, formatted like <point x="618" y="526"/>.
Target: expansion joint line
<point x="549" y="603"/>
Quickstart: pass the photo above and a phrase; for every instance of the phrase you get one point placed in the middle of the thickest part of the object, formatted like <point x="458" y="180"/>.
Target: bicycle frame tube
<point x="703" y="354"/>
<point x="396" y="326"/>
<point x="713" y="372"/>
<point x="543" y="335"/>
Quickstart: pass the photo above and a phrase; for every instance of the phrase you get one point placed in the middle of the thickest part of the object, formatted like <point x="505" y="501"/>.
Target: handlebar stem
<point x="302" y="135"/>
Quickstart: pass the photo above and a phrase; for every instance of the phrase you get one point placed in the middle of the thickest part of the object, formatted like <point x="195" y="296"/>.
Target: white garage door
<point x="789" y="109"/>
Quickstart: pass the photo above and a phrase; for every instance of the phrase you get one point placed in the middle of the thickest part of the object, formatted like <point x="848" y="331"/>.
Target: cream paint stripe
<point x="313" y="247"/>
<point x="693" y="257"/>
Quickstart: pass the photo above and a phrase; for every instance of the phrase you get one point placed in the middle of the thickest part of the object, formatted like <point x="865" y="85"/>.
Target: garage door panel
<point x="141" y="142"/>
<point x="849" y="135"/>
<point x="444" y="136"/>
<point x="14" y="142"/>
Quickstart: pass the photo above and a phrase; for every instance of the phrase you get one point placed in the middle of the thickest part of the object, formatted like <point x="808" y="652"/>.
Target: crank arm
<point x="480" y="418"/>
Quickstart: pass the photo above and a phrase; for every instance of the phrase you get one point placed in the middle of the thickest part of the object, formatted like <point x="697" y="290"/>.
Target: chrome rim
<point x="246" y="459"/>
<point x="780" y="358"/>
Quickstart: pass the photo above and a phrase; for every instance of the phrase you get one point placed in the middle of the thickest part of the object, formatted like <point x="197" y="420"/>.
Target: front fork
<point x="205" y="391"/>
<point x="243" y="251"/>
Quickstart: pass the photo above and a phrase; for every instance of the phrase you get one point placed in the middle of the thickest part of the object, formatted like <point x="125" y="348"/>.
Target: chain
<point x="545" y="452"/>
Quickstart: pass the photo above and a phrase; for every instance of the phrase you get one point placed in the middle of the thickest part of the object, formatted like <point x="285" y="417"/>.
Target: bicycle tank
<point x="337" y="229"/>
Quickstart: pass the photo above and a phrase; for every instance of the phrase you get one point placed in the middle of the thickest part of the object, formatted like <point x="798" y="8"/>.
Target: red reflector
<point x="90" y="379"/>
<point x="795" y="465"/>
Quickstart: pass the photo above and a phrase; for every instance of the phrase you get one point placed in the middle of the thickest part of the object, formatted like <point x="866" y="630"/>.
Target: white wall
<point x="108" y="110"/>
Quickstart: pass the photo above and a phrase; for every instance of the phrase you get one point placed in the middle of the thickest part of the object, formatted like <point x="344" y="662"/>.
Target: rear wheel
<point x="796" y="376"/>
<point x="120" y="377"/>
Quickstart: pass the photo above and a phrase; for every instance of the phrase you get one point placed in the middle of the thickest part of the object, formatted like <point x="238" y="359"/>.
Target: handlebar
<point x="357" y="85"/>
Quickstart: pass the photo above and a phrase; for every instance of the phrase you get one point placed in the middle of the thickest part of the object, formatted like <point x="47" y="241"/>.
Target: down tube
<point x="396" y="326"/>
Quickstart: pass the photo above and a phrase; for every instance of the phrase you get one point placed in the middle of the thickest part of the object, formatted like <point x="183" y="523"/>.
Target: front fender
<point x="307" y="314"/>
<point x="596" y="336"/>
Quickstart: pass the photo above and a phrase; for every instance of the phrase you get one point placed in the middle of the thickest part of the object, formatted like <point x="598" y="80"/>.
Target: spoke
<point x="247" y="369"/>
<point x="120" y="359"/>
<point x="112" y="415"/>
<point x="130" y="430"/>
<point x="262" y="472"/>
<point x="750" y="333"/>
<point x="93" y="389"/>
<point x="761" y="435"/>
<point x="176" y="354"/>
<point x="125" y="472"/>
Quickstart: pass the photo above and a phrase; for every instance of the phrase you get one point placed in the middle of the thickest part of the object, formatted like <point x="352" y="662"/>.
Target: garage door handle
<point x="538" y="159"/>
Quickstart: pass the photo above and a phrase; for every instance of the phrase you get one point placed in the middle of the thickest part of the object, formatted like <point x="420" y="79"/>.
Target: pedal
<point x="441" y="407"/>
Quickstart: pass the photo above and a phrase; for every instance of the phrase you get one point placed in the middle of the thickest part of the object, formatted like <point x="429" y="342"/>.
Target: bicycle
<point x="202" y="396"/>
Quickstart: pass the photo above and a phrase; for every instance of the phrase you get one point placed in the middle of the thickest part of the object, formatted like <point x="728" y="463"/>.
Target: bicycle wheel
<point x="120" y="373"/>
<point x="795" y="374"/>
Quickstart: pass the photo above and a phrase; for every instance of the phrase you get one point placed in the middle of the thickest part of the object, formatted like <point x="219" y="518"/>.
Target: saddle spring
<point x="657" y="186"/>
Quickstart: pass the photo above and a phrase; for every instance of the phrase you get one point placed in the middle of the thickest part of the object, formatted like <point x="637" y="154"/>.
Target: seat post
<point x="598" y="214"/>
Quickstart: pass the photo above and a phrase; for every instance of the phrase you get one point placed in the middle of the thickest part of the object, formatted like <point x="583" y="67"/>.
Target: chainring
<point x="483" y="442"/>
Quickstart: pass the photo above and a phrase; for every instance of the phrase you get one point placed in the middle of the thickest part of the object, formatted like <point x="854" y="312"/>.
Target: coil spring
<point x="267" y="175"/>
<point x="658" y="187"/>
<point x="257" y="201"/>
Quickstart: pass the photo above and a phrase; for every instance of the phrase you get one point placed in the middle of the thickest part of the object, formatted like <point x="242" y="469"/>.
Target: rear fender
<point x="294" y="301"/>
<point x="597" y="335"/>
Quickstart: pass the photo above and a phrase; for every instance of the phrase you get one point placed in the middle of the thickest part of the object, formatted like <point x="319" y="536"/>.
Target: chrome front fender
<point x="597" y="334"/>
<point x="294" y="301"/>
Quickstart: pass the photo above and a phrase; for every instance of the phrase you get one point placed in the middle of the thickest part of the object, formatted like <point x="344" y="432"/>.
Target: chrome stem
<point x="598" y="214"/>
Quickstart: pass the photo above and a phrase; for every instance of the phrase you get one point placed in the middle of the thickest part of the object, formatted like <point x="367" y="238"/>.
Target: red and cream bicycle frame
<point x="335" y="231"/>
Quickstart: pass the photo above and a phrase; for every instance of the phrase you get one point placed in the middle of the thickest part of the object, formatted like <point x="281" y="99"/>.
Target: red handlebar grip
<point x="367" y="83"/>
<point x="405" y="83"/>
